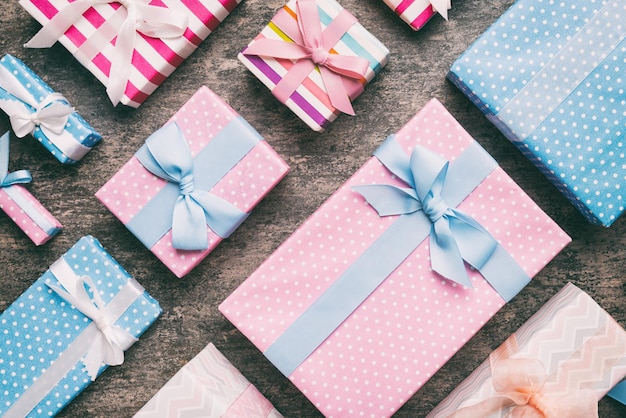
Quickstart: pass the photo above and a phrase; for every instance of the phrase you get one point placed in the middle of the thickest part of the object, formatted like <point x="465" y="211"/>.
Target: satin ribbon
<point x="9" y="179"/>
<point x="311" y="48"/>
<point x="166" y="155"/>
<point x="151" y="21"/>
<point x="441" y="7"/>
<point x="100" y="343"/>
<point x="519" y="384"/>
<point x="26" y="113"/>
<point x="454" y="235"/>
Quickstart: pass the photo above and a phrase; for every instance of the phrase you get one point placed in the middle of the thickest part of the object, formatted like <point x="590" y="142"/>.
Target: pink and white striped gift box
<point x="417" y="12"/>
<point x="153" y="60"/>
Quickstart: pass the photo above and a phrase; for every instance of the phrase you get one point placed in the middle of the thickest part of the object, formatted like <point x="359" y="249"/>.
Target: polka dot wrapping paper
<point x="23" y="91"/>
<point x="310" y="100"/>
<point x="40" y="329"/>
<point x="386" y="348"/>
<point x="579" y="345"/>
<point x="91" y="39"/>
<point x="550" y="75"/>
<point x="208" y="386"/>
<point x="205" y="120"/>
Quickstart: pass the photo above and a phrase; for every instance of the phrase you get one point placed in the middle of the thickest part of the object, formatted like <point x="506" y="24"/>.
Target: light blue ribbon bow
<point x="167" y="155"/>
<point x="9" y="179"/>
<point x="454" y="235"/>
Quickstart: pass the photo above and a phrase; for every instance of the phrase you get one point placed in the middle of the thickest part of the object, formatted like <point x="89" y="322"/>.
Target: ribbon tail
<point x="334" y="87"/>
<point x="389" y="200"/>
<point x="121" y="61"/>
<point x="475" y="243"/>
<point x="59" y="24"/>
<point x="441" y="7"/>
<point x="445" y="255"/>
<point x="349" y="66"/>
<point x="189" y="228"/>
<point x="93" y="359"/>
<point x="222" y="216"/>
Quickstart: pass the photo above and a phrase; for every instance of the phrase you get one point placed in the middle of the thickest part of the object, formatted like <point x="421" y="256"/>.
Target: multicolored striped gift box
<point x="153" y="59"/>
<point x="310" y="101"/>
<point x="414" y="12"/>
<point x="581" y="348"/>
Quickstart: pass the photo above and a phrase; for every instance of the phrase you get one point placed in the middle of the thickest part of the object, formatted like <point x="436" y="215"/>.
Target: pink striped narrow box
<point x="417" y="12"/>
<point x="193" y="182"/>
<point x="562" y="360"/>
<point x="355" y="308"/>
<point x="20" y="205"/>
<point x="208" y="386"/>
<point x="315" y="58"/>
<point x="131" y="46"/>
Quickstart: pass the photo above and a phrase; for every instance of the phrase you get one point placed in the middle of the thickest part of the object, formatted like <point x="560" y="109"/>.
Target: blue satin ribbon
<point x="432" y="181"/>
<point x="184" y="205"/>
<point x="9" y="179"/>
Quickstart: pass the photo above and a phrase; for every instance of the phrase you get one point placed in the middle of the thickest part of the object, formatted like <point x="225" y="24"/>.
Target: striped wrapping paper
<point x="580" y="345"/>
<point x="310" y="101"/>
<point x="208" y="386"/>
<point x="414" y="12"/>
<point x="153" y="59"/>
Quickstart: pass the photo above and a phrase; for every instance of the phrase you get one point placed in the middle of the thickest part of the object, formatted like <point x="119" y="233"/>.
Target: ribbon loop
<point x="312" y="47"/>
<point x="167" y="155"/>
<point x="149" y="20"/>
<point x="441" y="7"/>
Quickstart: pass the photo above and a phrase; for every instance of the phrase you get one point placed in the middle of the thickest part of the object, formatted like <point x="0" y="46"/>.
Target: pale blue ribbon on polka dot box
<point x="23" y="92"/>
<point x="40" y="328"/>
<point x="551" y="75"/>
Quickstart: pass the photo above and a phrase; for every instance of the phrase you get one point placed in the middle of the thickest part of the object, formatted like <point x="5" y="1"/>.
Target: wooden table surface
<point x="320" y="163"/>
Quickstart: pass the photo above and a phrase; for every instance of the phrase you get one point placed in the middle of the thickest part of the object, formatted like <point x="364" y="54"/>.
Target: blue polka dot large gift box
<point x="63" y="331"/>
<point x="550" y="75"/>
<point x="34" y="108"/>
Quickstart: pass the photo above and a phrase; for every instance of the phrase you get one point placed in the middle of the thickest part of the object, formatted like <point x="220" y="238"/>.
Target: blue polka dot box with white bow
<point x="64" y="330"/>
<point x="550" y="74"/>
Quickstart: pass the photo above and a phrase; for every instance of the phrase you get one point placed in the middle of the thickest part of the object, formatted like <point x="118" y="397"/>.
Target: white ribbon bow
<point x="50" y="114"/>
<point x="442" y="7"/>
<point x="152" y="21"/>
<point x="109" y="344"/>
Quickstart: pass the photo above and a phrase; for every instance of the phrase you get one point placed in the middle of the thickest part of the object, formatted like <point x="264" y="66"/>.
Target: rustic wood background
<point x="594" y="261"/>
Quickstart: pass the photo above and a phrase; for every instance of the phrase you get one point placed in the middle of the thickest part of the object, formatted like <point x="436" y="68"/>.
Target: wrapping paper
<point x="408" y="326"/>
<point x="416" y="13"/>
<point x="22" y="207"/>
<point x="310" y="101"/>
<point x="208" y="386"/>
<point x="41" y="329"/>
<point x="579" y="344"/>
<point x="153" y="59"/>
<point x="206" y="121"/>
<point x="547" y="74"/>
<point x="23" y="90"/>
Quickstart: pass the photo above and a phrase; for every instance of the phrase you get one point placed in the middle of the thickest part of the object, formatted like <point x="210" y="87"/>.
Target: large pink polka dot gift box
<point x="193" y="182"/>
<point x="130" y="46"/>
<point x="374" y="293"/>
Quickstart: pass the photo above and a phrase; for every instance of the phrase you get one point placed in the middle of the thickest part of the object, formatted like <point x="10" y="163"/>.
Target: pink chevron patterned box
<point x="141" y="42"/>
<point x="349" y="307"/>
<point x="208" y="386"/>
<point x="563" y="359"/>
<point x="218" y="168"/>
<point x="416" y="13"/>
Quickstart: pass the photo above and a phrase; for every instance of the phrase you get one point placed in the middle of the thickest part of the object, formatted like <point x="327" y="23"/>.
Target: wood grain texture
<point x="320" y="163"/>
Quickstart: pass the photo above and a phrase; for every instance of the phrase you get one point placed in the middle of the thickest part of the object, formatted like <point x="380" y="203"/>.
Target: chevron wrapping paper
<point x="579" y="344"/>
<point x="208" y="386"/>
<point x="415" y="320"/>
<point x="153" y="59"/>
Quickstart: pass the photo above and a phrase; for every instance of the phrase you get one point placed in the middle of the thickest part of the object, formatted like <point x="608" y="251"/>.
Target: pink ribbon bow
<point x="141" y="17"/>
<point x="312" y="47"/>
<point x="519" y="384"/>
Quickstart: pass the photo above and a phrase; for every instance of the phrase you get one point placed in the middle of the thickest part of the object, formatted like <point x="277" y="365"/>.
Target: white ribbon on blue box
<point x="550" y="75"/>
<point x="33" y="107"/>
<point x="65" y="329"/>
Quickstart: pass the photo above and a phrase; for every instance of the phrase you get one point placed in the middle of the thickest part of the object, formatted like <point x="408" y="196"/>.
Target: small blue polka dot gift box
<point x="34" y="108"/>
<point x="550" y="75"/>
<point x="75" y="320"/>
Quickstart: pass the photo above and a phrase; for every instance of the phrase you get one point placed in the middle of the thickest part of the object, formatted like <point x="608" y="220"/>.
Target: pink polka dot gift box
<point x="416" y="13"/>
<point x="316" y="58"/>
<point x="193" y="182"/>
<point x="20" y="205"/>
<point x="374" y="293"/>
<point x="208" y="386"/>
<point x="72" y="323"/>
<point x="130" y="46"/>
<point x="563" y="360"/>
<point x="550" y="75"/>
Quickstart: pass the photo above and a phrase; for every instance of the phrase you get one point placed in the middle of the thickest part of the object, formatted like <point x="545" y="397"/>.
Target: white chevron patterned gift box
<point x="558" y="364"/>
<point x="208" y="386"/>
